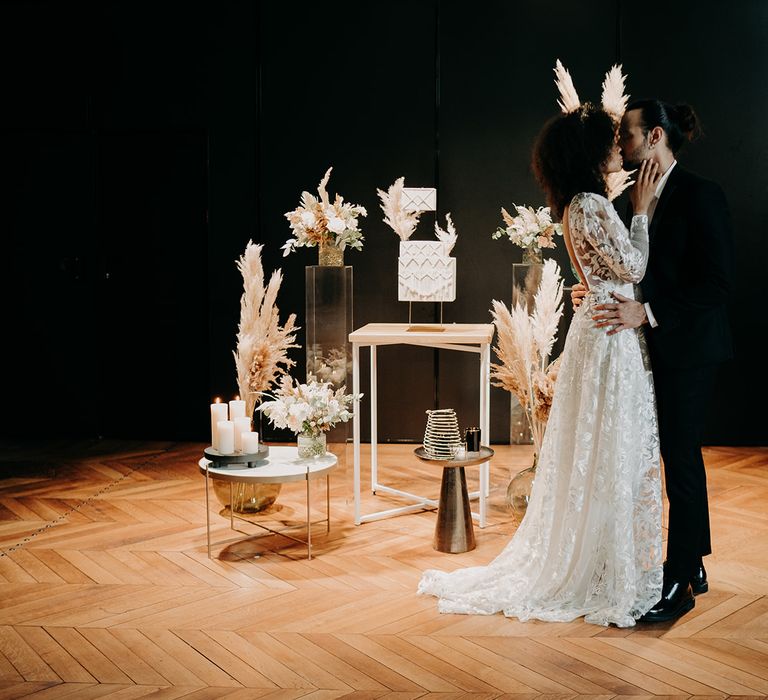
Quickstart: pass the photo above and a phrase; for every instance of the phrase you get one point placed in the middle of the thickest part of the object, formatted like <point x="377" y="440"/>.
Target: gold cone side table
<point x="453" y="531"/>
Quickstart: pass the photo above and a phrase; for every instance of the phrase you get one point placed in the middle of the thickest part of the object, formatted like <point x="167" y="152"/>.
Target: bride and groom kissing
<point x="637" y="371"/>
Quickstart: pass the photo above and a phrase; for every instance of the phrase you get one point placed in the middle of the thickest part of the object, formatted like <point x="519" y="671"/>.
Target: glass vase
<point x="519" y="489"/>
<point x="532" y="256"/>
<point x="329" y="255"/>
<point x="245" y="497"/>
<point x="311" y="445"/>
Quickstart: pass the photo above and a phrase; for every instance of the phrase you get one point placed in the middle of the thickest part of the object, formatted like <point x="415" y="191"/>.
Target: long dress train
<point x="590" y="542"/>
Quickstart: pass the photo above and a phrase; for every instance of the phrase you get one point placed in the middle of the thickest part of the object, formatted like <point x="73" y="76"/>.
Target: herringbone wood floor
<point x="107" y="592"/>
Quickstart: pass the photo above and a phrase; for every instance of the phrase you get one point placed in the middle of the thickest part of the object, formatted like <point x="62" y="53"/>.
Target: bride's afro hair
<point x="569" y="152"/>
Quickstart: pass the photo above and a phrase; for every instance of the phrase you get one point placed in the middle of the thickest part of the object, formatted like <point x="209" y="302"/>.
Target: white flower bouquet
<point x="530" y="229"/>
<point x="308" y="409"/>
<point x="317" y="221"/>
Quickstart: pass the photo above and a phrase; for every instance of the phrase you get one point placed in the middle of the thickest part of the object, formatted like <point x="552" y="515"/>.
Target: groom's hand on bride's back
<point x="625" y="314"/>
<point x="578" y="292"/>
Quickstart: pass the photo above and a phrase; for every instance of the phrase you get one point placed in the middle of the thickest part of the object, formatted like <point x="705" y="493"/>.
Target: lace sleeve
<point x="603" y="243"/>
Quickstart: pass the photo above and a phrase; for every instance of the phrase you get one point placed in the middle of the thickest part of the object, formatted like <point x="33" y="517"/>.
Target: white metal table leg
<point x="487" y="384"/>
<point x="309" y="525"/>
<point x="484" y="437"/>
<point x="485" y="409"/>
<point x="483" y="497"/>
<point x="207" y="512"/>
<point x="356" y="427"/>
<point x="374" y="423"/>
<point x="487" y="390"/>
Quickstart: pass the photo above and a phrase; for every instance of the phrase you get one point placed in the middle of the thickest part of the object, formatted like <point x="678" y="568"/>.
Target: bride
<point x="590" y="543"/>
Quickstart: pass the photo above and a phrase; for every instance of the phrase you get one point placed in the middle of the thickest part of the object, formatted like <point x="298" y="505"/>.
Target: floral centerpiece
<point x="531" y="229"/>
<point x="309" y="410"/>
<point x="332" y="227"/>
<point x="523" y="347"/>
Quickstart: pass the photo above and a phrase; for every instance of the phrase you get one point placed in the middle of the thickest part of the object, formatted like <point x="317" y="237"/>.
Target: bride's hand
<point x="578" y="292"/>
<point x="644" y="191"/>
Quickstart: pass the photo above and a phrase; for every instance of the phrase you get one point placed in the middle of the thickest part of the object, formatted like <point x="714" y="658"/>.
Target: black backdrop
<point x="145" y="143"/>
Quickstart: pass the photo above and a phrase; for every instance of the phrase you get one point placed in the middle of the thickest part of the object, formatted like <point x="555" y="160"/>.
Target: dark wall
<point x="146" y="143"/>
<point x="352" y="89"/>
<point x="130" y="168"/>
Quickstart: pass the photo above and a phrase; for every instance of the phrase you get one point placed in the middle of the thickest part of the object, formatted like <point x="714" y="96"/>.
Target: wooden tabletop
<point x="382" y="333"/>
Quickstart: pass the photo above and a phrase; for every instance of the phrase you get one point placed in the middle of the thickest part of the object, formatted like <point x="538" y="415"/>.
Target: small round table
<point x="453" y="531"/>
<point x="283" y="465"/>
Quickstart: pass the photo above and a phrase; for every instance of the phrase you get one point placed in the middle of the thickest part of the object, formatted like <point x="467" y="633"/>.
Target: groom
<point x="684" y="313"/>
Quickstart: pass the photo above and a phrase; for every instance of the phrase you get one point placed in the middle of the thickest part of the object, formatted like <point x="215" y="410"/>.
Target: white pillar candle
<point x="218" y="413"/>
<point x="236" y="409"/>
<point x="242" y="425"/>
<point x="250" y="443"/>
<point x="226" y="436"/>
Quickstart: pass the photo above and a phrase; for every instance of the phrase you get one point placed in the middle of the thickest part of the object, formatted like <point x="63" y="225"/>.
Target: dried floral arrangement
<point x="616" y="183"/>
<point x="402" y="221"/>
<point x="447" y="235"/>
<point x="310" y="409"/>
<point x="523" y="347"/>
<point x="531" y="229"/>
<point x="613" y="101"/>
<point x="262" y="344"/>
<point x="317" y="221"/>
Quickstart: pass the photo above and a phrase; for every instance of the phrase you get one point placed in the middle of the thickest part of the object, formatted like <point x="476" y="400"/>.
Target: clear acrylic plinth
<point x="328" y="325"/>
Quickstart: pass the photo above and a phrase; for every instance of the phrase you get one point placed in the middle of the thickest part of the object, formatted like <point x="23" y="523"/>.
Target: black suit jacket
<point x="689" y="273"/>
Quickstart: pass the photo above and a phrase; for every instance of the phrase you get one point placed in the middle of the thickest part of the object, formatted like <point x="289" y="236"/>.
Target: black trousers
<point x="682" y="397"/>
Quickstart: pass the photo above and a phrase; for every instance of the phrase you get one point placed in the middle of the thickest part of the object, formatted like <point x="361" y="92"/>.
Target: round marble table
<point x="283" y="465"/>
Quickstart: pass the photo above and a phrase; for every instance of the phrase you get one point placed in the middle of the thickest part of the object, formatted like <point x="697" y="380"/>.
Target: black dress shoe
<point x="699" y="583"/>
<point x="676" y="600"/>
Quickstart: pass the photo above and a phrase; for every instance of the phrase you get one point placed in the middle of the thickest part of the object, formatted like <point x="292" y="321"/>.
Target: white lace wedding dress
<point x="590" y="542"/>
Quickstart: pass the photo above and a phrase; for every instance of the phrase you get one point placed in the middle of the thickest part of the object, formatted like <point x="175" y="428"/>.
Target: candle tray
<point x="238" y="460"/>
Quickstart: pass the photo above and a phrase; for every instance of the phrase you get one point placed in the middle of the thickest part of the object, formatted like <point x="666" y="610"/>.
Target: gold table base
<point x="453" y="531"/>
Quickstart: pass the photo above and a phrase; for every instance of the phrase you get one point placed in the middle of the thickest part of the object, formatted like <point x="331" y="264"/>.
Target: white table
<point x="462" y="337"/>
<point x="282" y="466"/>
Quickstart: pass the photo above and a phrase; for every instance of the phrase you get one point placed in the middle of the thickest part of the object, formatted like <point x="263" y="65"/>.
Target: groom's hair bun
<point x="679" y="122"/>
<point x="687" y="121"/>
